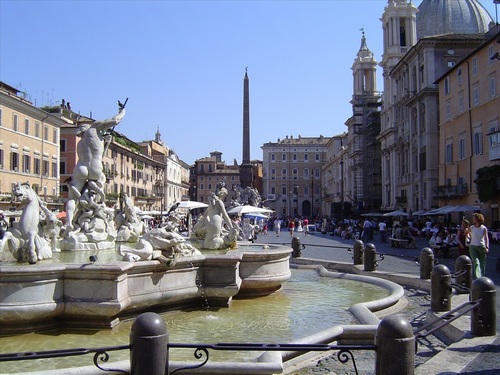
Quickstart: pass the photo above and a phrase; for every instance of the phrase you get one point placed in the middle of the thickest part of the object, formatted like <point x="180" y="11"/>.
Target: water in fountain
<point x="307" y="304"/>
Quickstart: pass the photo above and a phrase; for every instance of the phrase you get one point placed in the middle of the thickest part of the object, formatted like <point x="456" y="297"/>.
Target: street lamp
<point x="296" y="193"/>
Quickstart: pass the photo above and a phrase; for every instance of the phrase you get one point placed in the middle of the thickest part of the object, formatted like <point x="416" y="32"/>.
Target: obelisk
<point x="246" y="165"/>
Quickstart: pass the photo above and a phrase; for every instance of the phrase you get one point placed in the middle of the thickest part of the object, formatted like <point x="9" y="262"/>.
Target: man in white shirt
<point x="382" y="228"/>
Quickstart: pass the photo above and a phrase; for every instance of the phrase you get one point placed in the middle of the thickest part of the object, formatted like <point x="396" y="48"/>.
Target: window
<point x="37" y="129"/>
<point x="306" y="157"/>
<point x="461" y="149"/>
<point x="448" y="110"/>
<point x="26" y="126"/>
<point x="491" y="52"/>
<point x="475" y="95"/>
<point x="283" y="157"/>
<point x="447" y="85"/>
<point x="45" y="133"/>
<point x="459" y="76"/>
<point x="478" y="143"/>
<point x="283" y="190"/>
<point x="37" y="166"/>
<point x="474" y="66"/>
<point x="14" y="161"/>
<point x="273" y="171"/>
<point x="295" y="171"/>
<point x="14" y="122"/>
<point x="461" y="103"/>
<point x="54" y="169"/>
<point x="316" y="157"/>
<point x="283" y="172"/>
<point x="54" y="135"/>
<point x="273" y="157"/>
<point x="26" y="163"/>
<point x="449" y="153"/>
<point x="316" y="172"/>
<point x="492" y="83"/>
<point x="294" y="157"/>
<point x="306" y="173"/>
<point x="62" y="144"/>
<point x="62" y="167"/>
<point x="1" y="158"/>
<point x="1" y="113"/>
<point x="46" y="168"/>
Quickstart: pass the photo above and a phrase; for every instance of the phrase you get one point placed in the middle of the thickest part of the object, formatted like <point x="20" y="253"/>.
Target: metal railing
<point x="201" y="352"/>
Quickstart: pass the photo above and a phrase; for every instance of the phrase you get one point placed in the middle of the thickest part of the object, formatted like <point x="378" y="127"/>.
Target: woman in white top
<point x="479" y="245"/>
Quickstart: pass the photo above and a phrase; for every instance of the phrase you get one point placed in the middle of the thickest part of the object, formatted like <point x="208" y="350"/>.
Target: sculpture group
<point x="91" y="225"/>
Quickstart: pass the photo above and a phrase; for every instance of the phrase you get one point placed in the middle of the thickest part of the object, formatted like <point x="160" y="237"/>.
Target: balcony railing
<point x="451" y="191"/>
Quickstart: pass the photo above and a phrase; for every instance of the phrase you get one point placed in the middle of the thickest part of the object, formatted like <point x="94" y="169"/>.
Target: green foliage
<point x="486" y="183"/>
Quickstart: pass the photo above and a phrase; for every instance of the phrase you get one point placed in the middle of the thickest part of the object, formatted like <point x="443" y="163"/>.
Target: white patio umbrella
<point x="191" y="205"/>
<point x="246" y="209"/>
<point x="396" y="213"/>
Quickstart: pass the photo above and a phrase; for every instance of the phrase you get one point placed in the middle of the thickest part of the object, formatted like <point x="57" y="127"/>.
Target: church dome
<point x="438" y="17"/>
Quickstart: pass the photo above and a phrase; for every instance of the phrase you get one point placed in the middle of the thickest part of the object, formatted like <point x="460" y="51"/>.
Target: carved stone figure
<point x="91" y="223"/>
<point x="85" y="208"/>
<point x="248" y="196"/>
<point x="128" y="224"/>
<point x="160" y="243"/>
<point x="210" y="227"/>
<point x="25" y="240"/>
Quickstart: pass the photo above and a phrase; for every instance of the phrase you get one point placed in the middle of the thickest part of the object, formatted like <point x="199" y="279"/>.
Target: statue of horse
<point x="25" y="240"/>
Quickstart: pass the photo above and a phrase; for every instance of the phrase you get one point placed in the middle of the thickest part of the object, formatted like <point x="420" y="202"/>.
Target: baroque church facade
<point x="418" y="48"/>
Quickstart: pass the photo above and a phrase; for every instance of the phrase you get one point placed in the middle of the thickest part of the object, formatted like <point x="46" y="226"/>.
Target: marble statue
<point x="88" y="220"/>
<point x="25" y="240"/>
<point x="161" y="244"/>
<point x="210" y="226"/>
<point x="129" y="226"/>
<point x="248" y="196"/>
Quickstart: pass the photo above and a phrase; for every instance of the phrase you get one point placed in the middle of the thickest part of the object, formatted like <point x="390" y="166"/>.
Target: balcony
<point x="401" y="200"/>
<point x="451" y="191"/>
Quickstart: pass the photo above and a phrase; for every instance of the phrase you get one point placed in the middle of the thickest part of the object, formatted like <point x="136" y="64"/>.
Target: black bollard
<point x="426" y="263"/>
<point x="463" y="272"/>
<point x="440" y="288"/>
<point x="395" y="347"/>
<point x="369" y="257"/>
<point x="297" y="247"/>
<point x="483" y="318"/>
<point x="358" y="249"/>
<point x="149" y="345"/>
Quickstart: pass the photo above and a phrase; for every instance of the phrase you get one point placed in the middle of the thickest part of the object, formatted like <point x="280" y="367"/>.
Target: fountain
<point x="93" y="289"/>
<point x="303" y="308"/>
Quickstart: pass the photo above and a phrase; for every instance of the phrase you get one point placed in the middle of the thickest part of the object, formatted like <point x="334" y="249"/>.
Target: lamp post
<point x="342" y="185"/>
<point x="296" y="193"/>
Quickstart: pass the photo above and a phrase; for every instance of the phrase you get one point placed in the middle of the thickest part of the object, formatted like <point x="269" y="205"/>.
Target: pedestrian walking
<point x="382" y="228"/>
<point x="306" y="226"/>
<point x="479" y="245"/>
<point x="291" y="226"/>
<point x="277" y="227"/>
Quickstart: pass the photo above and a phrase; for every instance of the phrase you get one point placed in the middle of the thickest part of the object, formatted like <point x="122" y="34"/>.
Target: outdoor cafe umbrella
<point x="463" y="208"/>
<point x="246" y="209"/>
<point x="440" y="211"/>
<point x="396" y="213"/>
<point x="191" y="205"/>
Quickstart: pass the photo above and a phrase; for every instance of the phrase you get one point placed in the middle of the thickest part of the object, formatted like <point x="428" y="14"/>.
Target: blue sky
<point x="182" y="63"/>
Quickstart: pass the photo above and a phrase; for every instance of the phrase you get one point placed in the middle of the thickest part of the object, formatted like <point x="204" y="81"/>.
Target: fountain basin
<point x="45" y="296"/>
